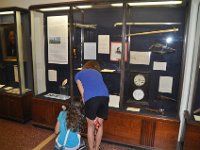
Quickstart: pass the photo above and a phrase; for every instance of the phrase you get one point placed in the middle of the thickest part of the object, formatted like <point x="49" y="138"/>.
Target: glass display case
<point x="51" y="50"/>
<point x="148" y="79"/>
<point x="156" y="46"/>
<point x="15" y="60"/>
<point x="52" y="64"/>
<point x="96" y="38"/>
<point x="146" y="52"/>
<point x="148" y="73"/>
<point x="141" y="56"/>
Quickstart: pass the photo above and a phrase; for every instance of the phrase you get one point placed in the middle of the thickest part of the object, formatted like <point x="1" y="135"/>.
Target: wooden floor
<point x="18" y="136"/>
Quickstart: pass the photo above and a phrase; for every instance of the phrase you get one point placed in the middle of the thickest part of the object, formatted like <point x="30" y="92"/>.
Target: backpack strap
<point x="66" y="137"/>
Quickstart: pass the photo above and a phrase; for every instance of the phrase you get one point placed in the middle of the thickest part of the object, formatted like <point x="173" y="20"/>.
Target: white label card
<point x="165" y="84"/>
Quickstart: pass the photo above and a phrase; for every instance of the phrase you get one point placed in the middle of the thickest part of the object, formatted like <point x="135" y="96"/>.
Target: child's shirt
<point x="73" y="137"/>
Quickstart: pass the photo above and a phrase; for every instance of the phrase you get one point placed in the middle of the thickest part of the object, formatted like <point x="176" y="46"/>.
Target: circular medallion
<point x="138" y="94"/>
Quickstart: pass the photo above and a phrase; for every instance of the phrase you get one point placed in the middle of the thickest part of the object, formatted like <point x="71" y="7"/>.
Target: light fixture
<point x="6" y="12"/>
<point x="146" y="23"/>
<point x="117" y="5"/>
<point x="169" y="40"/>
<point x="54" y="8"/>
<point x="155" y="3"/>
<point x="84" y="6"/>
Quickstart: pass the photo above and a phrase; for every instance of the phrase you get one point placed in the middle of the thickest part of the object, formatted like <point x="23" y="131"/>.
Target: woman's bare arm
<point x="80" y="88"/>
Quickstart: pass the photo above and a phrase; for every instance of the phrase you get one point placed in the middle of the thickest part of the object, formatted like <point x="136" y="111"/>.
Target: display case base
<point x="141" y="130"/>
<point x="45" y="111"/>
<point x="192" y="136"/>
<point x="16" y="107"/>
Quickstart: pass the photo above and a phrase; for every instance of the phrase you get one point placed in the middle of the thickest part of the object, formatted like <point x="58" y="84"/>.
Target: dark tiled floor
<point x="17" y="136"/>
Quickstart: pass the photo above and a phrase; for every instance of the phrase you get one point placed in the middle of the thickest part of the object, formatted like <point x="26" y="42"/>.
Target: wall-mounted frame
<point x="116" y="50"/>
<point x="8" y="42"/>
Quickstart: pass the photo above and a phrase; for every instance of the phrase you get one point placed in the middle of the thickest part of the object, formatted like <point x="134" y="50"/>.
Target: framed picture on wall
<point x="8" y="42"/>
<point x="116" y="51"/>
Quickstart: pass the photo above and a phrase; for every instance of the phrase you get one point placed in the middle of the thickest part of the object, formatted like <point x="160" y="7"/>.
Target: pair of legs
<point x="96" y="109"/>
<point x="94" y="140"/>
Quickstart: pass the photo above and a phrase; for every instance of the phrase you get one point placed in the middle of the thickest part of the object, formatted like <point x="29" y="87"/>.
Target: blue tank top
<point x="73" y="139"/>
<point x="92" y="82"/>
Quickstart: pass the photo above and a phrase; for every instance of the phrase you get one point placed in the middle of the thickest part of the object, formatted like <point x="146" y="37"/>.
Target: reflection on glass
<point x="8" y="42"/>
<point x="11" y="45"/>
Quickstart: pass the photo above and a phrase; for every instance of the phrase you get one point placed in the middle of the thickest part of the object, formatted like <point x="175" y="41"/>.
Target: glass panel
<point x="38" y="52"/>
<point x="156" y="48"/>
<point x="50" y="48"/>
<point x="96" y="38"/>
<point x="57" y="52"/>
<point x="20" y="53"/>
<point x="14" y="52"/>
<point x="9" y="77"/>
<point x="196" y="102"/>
<point x="26" y="52"/>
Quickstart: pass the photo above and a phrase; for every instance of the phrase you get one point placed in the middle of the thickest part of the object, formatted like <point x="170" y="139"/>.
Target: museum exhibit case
<point x="15" y="64"/>
<point x="150" y="71"/>
<point x="96" y="38"/>
<point x="50" y="33"/>
<point x="141" y="56"/>
<point x="192" y="116"/>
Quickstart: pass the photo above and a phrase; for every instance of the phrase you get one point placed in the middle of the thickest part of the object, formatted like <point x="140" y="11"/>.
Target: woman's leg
<point x="90" y="133"/>
<point x="99" y="133"/>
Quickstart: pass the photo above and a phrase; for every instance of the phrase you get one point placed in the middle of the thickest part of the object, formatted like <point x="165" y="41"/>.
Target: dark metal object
<point x="161" y="97"/>
<point x="122" y="65"/>
<point x="161" y="48"/>
<point x="196" y="111"/>
<point x="71" y="45"/>
<point x="160" y="110"/>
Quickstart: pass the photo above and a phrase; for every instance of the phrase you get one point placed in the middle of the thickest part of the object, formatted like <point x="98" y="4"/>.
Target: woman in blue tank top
<point x="95" y="96"/>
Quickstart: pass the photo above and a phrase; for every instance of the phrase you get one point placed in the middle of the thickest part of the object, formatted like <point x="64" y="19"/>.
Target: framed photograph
<point x="116" y="51"/>
<point x="8" y="42"/>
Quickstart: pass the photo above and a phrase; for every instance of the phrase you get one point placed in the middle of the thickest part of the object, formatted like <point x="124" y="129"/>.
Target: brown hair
<point x="74" y="115"/>
<point x="92" y="64"/>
